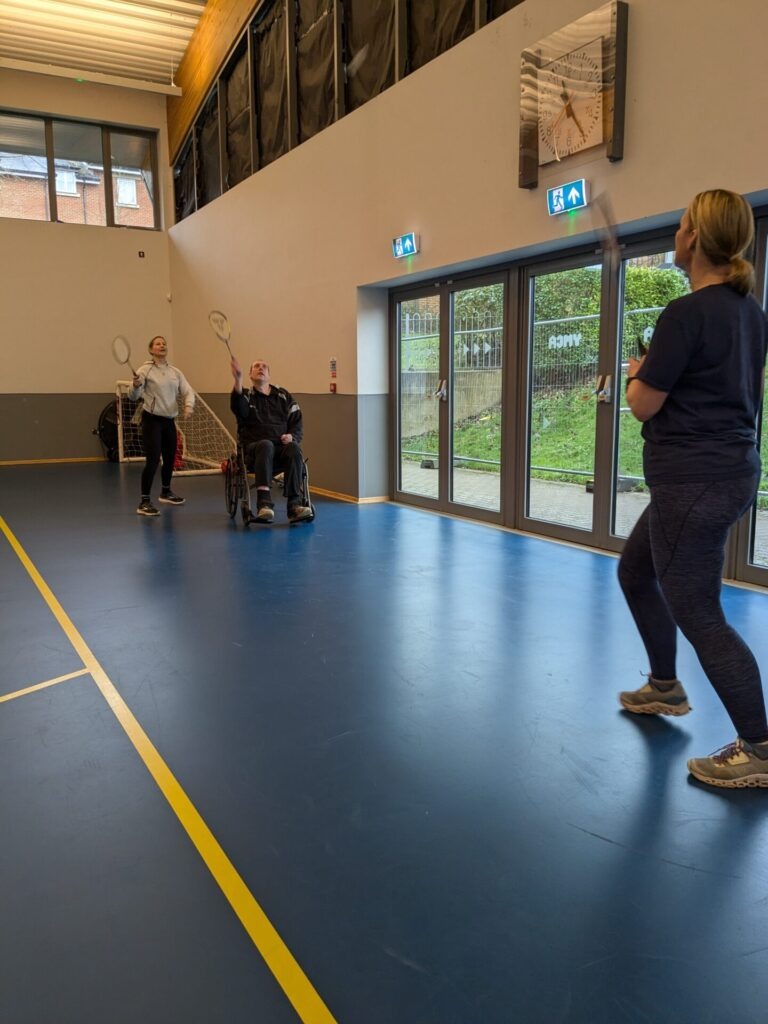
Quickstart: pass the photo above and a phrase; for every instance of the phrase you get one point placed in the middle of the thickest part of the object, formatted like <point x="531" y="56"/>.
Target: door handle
<point x="604" y="388"/>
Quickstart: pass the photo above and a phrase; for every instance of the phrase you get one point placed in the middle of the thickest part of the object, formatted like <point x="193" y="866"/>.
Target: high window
<point x="54" y="169"/>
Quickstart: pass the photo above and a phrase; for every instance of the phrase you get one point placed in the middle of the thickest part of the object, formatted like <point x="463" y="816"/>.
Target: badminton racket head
<point x="220" y="323"/>
<point x="121" y="351"/>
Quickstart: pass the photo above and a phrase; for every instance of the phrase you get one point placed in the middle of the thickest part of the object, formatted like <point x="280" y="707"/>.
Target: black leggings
<point x="671" y="572"/>
<point x="159" y="436"/>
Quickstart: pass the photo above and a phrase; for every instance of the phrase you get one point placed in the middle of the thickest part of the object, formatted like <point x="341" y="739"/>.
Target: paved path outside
<point x="550" y="501"/>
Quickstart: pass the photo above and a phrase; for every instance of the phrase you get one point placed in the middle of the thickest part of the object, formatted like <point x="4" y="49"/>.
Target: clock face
<point x="570" y="100"/>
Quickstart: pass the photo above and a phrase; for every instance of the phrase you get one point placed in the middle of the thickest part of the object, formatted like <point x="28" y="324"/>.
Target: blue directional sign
<point x="405" y="245"/>
<point x="563" y="198"/>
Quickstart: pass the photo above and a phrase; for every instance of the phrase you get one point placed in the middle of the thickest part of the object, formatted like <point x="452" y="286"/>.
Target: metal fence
<point x="477" y="342"/>
<point x="564" y="350"/>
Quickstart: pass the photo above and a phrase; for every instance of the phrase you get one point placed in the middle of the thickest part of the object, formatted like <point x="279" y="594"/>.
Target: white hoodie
<point x="160" y="389"/>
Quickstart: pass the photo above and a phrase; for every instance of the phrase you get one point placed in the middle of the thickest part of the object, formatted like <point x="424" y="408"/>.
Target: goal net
<point x="202" y="440"/>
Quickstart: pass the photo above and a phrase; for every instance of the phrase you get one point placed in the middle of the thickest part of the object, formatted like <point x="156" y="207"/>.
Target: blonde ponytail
<point x="725" y="227"/>
<point x="741" y="276"/>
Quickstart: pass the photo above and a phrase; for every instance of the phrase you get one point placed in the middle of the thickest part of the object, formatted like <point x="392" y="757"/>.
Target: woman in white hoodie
<point x="163" y="389"/>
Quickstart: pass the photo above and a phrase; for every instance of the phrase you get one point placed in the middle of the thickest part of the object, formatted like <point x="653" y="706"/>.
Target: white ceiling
<point x="128" y="42"/>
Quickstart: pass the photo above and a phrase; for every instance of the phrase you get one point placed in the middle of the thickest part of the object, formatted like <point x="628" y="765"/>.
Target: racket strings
<point x="221" y="328"/>
<point x="220" y="324"/>
<point x="121" y="349"/>
<point x="121" y="352"/>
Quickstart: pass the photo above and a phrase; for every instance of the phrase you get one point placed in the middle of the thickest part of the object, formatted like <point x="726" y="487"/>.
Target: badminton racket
<point x="121" y="351"/>
<point x="221" y="328"/>
<point x="605" y="222"/>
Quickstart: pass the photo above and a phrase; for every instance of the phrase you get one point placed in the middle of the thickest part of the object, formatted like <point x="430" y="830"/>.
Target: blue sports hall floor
<point x="371" y="770"/>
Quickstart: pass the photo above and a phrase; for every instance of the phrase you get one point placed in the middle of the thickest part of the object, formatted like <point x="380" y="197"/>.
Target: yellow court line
<point x="51" y="462"/>
<point x="42" y="686"/>
<point x="297" y="987"/>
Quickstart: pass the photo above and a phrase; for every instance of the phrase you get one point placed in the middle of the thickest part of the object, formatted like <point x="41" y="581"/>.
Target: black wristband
<point x="629" y="379"/>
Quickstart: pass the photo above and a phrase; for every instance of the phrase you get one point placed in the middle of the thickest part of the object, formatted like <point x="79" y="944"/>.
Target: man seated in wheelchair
<point x="270" y="430"/>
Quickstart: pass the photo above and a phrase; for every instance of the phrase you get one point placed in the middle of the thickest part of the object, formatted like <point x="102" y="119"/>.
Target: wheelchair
<point x="237" y="488"/>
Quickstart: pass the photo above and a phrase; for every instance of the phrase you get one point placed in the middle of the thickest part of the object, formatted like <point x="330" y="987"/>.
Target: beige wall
<point x="67" y="289"/>
<point x="105" y="103"/>
<point x="299" y="254"/>
<point x="286" y="252"/>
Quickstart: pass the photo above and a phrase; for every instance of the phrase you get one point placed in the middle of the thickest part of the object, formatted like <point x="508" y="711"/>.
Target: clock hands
<point x="553" y="131"/>
<point x="565" y="96"/>
<point x="566" y="111"/>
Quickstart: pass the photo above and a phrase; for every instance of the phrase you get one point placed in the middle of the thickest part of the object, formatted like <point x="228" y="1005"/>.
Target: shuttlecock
<point x="355" y="64"/>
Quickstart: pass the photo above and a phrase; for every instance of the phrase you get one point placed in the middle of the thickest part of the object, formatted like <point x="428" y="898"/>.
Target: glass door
<point x="449" y="349"/>
<point x="649" y="280"/>
<point x="750" y="562"/>
<point x="584" y="471"/>
<point x="752" y="554"/>
<point x="419" y="392"/>
<point x="477" y="352"/>
<point x="564" y="339"/>
<point x="538" y="435"/>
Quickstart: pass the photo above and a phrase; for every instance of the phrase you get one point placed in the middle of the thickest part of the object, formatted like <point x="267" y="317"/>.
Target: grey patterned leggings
<point x="670" y="573"/>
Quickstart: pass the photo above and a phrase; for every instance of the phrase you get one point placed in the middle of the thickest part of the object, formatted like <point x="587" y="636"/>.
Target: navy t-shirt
<point x="708" y="352"/>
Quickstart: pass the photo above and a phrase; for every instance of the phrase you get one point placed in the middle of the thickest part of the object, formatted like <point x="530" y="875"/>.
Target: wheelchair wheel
<point x="305" y="488"/>
<point x="244" y="491"/>
<point x="231" y="486"/>
<point x="306" y="499"/>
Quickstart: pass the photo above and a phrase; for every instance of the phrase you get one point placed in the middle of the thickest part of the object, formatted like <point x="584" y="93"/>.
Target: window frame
<point x="106" y="129"/>
<point x="122" y="181"/>
<point x="60" y="190"/>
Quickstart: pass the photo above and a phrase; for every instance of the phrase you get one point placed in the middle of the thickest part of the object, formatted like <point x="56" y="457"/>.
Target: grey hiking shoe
<point x="650" y="700"/>
<point x="299" y="513"/>
<point x="735" y="766"/>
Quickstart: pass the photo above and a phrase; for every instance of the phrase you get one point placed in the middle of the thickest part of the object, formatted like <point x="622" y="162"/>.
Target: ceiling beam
<point x="90" y="76"/>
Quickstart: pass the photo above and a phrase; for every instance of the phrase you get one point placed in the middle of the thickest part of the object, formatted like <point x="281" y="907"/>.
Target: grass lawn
<point x="562" y="437"/>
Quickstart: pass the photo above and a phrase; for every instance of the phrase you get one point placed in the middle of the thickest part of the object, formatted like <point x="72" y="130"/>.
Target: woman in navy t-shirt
<point x="698" y="393"/>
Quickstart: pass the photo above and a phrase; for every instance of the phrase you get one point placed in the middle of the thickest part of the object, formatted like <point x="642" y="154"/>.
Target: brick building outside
<point x="80" y="196"/>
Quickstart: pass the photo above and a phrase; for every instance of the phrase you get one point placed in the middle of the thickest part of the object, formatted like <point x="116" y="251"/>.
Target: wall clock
<point x="572" y="87"/>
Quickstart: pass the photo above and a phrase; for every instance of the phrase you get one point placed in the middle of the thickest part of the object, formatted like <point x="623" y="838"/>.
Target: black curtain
<point x="498" y="7"/>
<point x="238" y="100"/>
<point x="434" y="26"/>
<point x="184" y="184"/>
<point x="369" y="49"/>
<point x="271" y="84"/>
<point x="209" y="160"/>
<point x="314" y="66"/>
